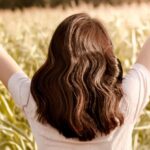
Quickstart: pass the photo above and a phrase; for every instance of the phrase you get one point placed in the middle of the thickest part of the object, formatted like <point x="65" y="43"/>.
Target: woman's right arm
<point x="144" y="55"/>
<point x="136" y="84"/>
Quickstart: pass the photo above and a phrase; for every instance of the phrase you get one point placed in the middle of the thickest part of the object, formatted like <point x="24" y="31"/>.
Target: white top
<point x="136" y="86"/>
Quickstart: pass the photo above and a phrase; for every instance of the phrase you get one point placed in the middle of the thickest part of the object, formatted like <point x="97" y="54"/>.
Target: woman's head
<point x="78" y="88"/>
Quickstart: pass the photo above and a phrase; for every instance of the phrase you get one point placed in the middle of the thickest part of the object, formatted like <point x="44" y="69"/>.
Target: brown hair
<point x="78" y="88"/>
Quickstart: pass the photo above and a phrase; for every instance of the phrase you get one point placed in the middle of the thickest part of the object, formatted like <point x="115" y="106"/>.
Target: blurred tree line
<point x="53" y="3"/>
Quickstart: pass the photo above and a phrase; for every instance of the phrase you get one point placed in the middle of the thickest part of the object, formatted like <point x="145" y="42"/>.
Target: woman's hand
<point x="8" y="66"/>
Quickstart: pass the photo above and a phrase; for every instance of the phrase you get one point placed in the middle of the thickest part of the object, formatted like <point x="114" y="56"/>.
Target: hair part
<point x="78" y="88"/>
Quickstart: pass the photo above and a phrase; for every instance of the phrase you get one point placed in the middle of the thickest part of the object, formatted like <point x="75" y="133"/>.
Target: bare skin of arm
<point x="8" y="66"/>
<point x="144" y="55"/>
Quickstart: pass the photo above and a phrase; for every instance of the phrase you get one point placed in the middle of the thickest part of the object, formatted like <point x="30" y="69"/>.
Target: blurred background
<point x="26" y="27"/>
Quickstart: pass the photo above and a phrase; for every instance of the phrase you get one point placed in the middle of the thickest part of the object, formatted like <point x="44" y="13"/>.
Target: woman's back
<point x="136" y="85"/>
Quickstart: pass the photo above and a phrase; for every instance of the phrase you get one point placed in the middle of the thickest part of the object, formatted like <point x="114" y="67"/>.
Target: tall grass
<point x="26" y="35"/>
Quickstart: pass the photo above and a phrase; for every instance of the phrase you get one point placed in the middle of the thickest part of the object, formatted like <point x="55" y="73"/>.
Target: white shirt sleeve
<point x="136" y="87"/>
<point x="19" y="88"/>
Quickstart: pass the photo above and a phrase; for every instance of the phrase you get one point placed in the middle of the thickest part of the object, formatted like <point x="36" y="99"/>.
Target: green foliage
<point x="26" y="37"/>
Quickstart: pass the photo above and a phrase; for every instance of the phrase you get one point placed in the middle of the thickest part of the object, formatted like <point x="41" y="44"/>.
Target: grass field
<point x="26" y="35"/>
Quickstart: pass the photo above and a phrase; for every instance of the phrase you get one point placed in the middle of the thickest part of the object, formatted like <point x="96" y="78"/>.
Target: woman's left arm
<point x="8" y="66"/>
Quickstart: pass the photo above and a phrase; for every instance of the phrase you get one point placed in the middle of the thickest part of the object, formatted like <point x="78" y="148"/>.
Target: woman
<point x="78" y="98"/>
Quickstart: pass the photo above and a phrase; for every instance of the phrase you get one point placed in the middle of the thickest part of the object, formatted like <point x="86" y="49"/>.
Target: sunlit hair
<point x="78" y="88"/>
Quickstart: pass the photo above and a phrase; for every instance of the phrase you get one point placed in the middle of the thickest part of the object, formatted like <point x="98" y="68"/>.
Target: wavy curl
<point x="78" y="88"/>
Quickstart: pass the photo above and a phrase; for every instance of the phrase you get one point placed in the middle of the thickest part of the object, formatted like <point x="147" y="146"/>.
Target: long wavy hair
<point x="78" y="88"/>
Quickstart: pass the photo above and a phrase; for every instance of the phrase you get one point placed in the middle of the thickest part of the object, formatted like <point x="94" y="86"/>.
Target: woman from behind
<point x="78" y="99"/>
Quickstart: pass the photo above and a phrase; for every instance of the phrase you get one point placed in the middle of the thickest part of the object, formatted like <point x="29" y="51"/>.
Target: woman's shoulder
<point x="136" y="88"/>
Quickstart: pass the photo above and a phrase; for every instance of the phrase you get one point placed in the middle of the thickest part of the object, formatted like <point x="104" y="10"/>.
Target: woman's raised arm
<point x="8" y="66"/>
<point x="144" y="55"/>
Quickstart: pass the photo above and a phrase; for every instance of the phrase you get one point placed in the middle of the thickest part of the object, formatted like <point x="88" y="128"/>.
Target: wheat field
<point x="26" y="36"/>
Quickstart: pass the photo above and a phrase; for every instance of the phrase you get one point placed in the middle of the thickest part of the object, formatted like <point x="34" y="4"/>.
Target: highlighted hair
<point x="78" y="88"/>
